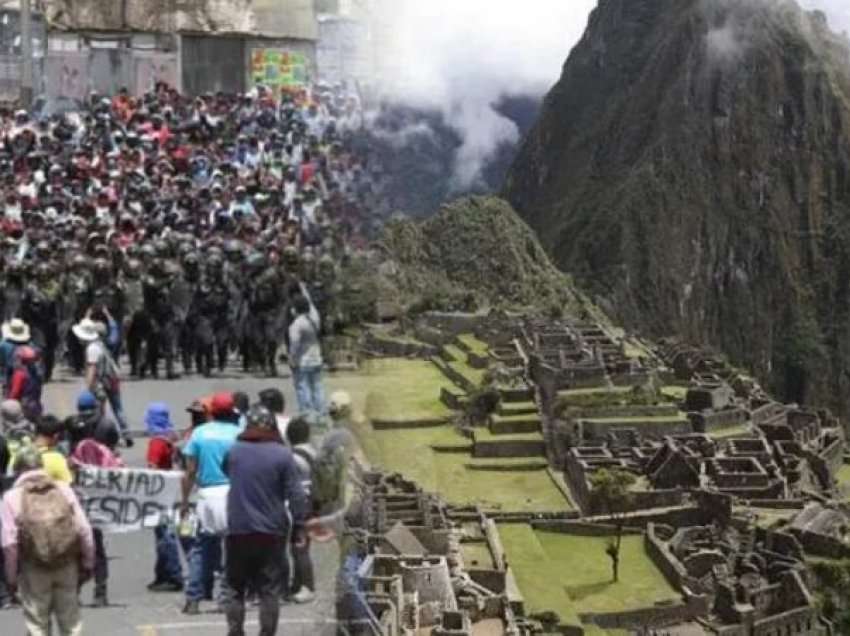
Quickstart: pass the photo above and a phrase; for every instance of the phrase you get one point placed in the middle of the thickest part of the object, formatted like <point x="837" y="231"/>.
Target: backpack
<point x="327" y="475"/>
<point x="31" y="399"/>
<point x="47" y="525"/>
<point x="108" y="374"/>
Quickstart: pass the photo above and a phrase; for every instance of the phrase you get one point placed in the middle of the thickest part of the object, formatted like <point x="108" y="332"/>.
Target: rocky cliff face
<point x="692" y="169"/>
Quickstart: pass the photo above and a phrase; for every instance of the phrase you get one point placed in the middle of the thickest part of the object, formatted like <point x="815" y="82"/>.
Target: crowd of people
<point x="182" y="233"/>
<point x="255" y="489"/>
<point x="191" y="227"/>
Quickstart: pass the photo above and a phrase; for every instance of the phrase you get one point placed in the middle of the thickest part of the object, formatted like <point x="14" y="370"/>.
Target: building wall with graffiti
<point x="280" y="69"/>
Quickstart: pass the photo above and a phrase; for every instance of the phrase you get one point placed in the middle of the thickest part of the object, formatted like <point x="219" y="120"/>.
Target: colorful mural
<point x="279" y="69"/>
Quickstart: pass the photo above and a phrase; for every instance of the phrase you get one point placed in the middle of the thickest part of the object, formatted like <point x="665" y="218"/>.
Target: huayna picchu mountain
<point x="691" y="169"/>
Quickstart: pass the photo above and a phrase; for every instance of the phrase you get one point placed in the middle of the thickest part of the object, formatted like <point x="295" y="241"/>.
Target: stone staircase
<point x="488" y="444"/>
<point x="514" y="432"/>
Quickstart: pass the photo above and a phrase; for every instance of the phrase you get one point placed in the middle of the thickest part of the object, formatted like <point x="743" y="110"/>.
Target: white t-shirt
<point x="282" y="426"/>
<point x="97" y="355"/>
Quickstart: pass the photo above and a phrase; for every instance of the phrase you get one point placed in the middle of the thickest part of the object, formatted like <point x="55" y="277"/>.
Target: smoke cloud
<point x="458" y="57"/>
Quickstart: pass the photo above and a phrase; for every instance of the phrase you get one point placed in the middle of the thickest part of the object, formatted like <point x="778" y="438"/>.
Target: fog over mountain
<point x="457" y="60"/>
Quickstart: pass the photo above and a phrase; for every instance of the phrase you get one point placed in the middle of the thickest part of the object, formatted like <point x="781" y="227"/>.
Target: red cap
<point x="222" y="404"/>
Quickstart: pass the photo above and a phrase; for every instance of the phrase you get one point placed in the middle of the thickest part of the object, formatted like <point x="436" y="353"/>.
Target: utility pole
<point x="26" y="55"/>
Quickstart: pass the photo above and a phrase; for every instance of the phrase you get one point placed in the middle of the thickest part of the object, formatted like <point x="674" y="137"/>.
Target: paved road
<point x="136" y="612"/>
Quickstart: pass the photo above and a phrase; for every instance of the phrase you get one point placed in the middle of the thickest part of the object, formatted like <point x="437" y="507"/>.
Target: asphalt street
<point x="135" y="611"/>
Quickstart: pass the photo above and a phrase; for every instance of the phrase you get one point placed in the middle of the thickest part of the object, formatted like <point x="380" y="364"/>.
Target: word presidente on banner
<point x="128" y="499"/>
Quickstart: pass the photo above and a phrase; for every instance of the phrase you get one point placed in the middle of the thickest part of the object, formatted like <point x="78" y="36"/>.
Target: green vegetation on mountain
<point x="476" y="253"/>
<point x="691" y="169"/>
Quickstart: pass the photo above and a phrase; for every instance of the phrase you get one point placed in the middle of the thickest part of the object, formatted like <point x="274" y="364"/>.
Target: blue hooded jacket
<point x="158" y="419"/>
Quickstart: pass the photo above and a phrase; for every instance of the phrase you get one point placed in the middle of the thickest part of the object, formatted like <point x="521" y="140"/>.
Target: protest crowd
<point x="158" y="236"/>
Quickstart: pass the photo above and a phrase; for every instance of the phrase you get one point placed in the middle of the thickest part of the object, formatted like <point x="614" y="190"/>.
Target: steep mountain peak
<point x="692" y="169"/>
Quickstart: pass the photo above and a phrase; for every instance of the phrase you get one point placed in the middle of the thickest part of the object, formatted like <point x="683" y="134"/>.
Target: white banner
<point x="128" y="499"/>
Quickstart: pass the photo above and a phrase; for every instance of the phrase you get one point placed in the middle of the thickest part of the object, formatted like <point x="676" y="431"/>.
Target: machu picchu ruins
<point x="483" y="519"/>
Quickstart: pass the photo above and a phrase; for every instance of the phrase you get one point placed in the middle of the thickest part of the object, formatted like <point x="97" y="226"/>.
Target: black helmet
<point x="133" y="267"/>
<point x="256" y="261"/>
<point x="233" y="247"/>
<point x="215" y="262"/>
<point x="171" y="269"/>
<point x="185" y="248"/>
<point x="160" y="246"/>
<point x="43" y="270"/>
<point x="191" y="260"/>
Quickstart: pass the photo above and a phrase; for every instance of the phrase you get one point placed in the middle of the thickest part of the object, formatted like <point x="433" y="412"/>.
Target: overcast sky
<point x="460" y="56"/>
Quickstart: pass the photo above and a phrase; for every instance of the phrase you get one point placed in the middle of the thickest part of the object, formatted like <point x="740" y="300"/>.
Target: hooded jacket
<point x="265" y="486"/>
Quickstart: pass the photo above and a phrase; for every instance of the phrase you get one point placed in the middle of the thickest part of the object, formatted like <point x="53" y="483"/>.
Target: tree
<point x="611" y="489"/>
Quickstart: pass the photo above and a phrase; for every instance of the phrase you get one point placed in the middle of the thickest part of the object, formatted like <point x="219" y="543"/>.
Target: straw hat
<point x="87" y="330"/>
<point x="16" y="330"/>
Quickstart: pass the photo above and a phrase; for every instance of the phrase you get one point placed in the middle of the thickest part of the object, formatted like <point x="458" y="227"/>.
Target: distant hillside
<point x="475" y="253"/>
<point x="692" y="169"/>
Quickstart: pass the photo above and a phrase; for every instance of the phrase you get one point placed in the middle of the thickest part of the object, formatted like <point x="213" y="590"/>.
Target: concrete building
<point x="196" y="45"/>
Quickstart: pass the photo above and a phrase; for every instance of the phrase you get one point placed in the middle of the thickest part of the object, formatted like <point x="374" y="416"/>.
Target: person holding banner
<point x="93" y="442"/>
<point x="168" y="571"/>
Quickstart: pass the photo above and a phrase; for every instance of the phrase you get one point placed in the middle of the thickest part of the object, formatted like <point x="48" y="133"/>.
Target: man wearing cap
<point x="204" y="455"/>
<point x="102" y="375"/>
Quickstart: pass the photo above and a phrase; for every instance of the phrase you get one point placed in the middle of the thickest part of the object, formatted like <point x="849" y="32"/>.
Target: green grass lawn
<point x="455" y="352"/>
<point x="843" y="478"/>
<point x="476" y="555"/>
<point x="742" y="430"/>
<point x="571" y="574"/>
<point x="409" y="452"/>
<point x="396" y="389"/>
<point x="475" y="345"/>
<point x="510" y="490"/>
<point x="673" y="392"/>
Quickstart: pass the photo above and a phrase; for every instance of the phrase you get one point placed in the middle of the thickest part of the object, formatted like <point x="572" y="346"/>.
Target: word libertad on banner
<point x="128" y="499"/>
